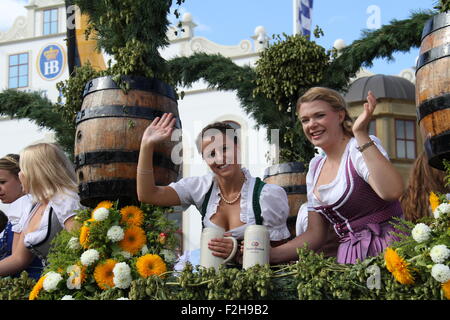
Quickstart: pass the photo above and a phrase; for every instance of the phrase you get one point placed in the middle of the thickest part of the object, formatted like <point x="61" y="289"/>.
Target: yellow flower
<point x="398" y="267"/>
<point x="132" y="215"/>
<point x="133" y="240"/>
<point x="434" y="201"/>
<point x="150" y="264"/>
<point x="103" y="274"/>
<point x="84" y="233"/>
<point x="446" y="289"/>
<point x="37" y="288"/>
<point x="104" y="204"/>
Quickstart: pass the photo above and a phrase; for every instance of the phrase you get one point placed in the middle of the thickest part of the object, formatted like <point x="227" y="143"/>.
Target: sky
<point x="228" y="22"/>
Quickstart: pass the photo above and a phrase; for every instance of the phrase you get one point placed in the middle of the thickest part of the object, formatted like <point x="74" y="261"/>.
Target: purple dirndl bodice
<point x="361" y="219"/>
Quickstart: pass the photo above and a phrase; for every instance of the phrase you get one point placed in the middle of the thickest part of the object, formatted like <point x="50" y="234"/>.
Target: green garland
<point x="41" y="111"/>
<point x="398" y="36"/>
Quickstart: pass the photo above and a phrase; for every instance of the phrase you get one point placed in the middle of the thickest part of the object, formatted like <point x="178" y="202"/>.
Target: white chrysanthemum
<point x="115" y="233"/>
<point x="67" y="297"/>
<point x="439" y="253"/>
<point x="441" y="209"/>
<point x="74" y="243"/>
<point x="122" y="298"/>
<point x="421" y="232"/>
<point x="168" y="255"/>
<point x="144" y="250"/>
<point x="440" y="272"/>
<point x="122" y="275"/>
<point x="100" y="214"/>
<point x="51" y="281"/>
<point x="126" y="254"/>
<point x="89" y="257"/>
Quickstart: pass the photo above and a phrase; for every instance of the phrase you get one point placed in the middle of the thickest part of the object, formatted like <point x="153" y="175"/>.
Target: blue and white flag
<point x="303" y="17"/>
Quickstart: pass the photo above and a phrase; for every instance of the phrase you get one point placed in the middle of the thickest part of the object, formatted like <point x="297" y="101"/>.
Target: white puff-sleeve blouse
<point x="273" y="201"/>
<point x="63" y="205"/>
<point x="332" y="192"/>
<point x="17" y="209"/>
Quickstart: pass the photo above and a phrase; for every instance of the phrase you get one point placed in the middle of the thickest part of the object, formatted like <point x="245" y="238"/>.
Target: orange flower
<point x="398" y="267"/>
<point x="84" y="233"/>
<point x="104" y="204"/>
<point x="133" y="240"/>
<point x="150" y="264"/>
<point x="37" y="288"/>
<point x="434" y="201"/>
<point x="103" y="274"/>
<point x="132" y="215"/>
<point x="446" y="289"/>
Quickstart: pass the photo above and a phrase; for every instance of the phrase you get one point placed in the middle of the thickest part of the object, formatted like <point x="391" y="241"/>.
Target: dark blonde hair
<point x="47" y="171"/>
<point x="332" y="97"/>
<point x="10" y="163"/>
<point x="423" y="179"/>
<point x="213" y="129"/>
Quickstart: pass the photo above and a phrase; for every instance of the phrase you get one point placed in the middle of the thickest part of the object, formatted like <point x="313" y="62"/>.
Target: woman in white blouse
<point x="225" y="197"/>
<point x="49" y="177"/>
<point x="353" y="187"/>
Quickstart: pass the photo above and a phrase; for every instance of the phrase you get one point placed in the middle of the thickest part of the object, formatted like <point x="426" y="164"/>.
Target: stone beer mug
<point x="207" y="259"/>
<point x="256" y="246"/>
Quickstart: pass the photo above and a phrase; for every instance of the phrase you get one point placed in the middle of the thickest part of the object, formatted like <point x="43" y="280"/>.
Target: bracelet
<point x="144" y="171"/>
<point x="365" y="146"/>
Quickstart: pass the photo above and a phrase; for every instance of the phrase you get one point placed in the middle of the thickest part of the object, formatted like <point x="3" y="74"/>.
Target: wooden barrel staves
<point x="291" y="176"/>
<point x="433" y="89"/>
<point x="110" y="126"/>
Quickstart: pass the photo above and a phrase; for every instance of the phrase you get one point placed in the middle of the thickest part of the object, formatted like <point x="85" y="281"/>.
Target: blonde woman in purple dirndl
<point x="353" y="186"/>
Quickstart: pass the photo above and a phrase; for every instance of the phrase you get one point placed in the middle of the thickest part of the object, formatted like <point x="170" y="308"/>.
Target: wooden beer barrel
<point x="433" y="89"/>
<point x="108" y="136"/>
<point x="291" y="176"/>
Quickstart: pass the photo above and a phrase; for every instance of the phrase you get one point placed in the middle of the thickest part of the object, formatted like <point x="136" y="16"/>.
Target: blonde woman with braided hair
<point x="49" y="177"/>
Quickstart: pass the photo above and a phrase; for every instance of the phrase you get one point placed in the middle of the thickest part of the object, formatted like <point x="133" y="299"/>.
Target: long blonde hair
<point x="47" y="171"/>
<point x="336" y="101"/>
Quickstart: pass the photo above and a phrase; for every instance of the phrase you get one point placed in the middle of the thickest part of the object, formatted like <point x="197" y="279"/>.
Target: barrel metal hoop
<point x="109" y="188"/>
<point x="432" y="105"/>
<point x="299" y="189"/>
<point x="437" y="22"/>
<point x="134" y="82"/>
<point x="288" y="167"/>
<point x="437" y="149"/>
<point x="121" y="111"/>
<point x="117" y="156"/>
<point x="432" y="55"/>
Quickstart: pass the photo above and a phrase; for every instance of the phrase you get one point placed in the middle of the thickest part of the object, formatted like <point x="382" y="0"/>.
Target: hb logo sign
<point x="51" y="62"/>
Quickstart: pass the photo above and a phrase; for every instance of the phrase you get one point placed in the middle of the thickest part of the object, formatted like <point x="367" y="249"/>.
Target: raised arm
<point x="158" y="131"/>
<point x="384" y="179"/>
<point x="315" y="236"/>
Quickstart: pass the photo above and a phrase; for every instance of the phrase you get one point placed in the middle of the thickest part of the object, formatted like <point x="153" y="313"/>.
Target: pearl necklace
<point x="230" y="201"/>
<point x="227" y="201"/>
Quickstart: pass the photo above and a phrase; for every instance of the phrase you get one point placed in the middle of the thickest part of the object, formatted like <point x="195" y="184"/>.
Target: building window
<point x="18" y="71"/>
<point x="405" y="139"/>
<point x="50" y="21"/>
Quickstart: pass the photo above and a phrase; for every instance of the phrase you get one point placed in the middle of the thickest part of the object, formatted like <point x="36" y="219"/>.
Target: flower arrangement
<point x="426" y="251"/>
<point x="112" y="248"/>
